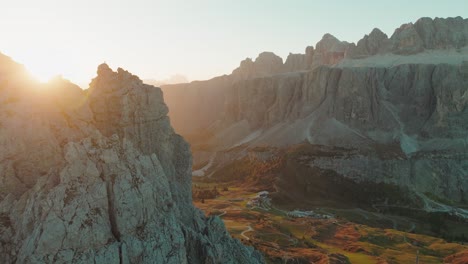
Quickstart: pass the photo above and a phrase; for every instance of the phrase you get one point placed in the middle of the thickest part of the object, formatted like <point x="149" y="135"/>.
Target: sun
<point x="42" y="75"/>
<point x="42" y="69"/>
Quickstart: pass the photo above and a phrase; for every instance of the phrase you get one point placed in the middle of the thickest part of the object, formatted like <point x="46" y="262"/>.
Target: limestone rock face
<point x="427" y="33"/>
<point x="309" y="52"/>
<point x="374" y="43"/>
<point x="413" y="38"/>
<point x="99" y="176"/>
<point x="299" y="62"/>
<point x="406" y="40"/>
<point x="267" y="63"/>
<point x="295" y="62"/>
<point x="329" y="50"/>
<point x="406" y="95"/>
<point x="382" y="52"/>
<point x="421" y="108"/>
<point x="416" y="109"/>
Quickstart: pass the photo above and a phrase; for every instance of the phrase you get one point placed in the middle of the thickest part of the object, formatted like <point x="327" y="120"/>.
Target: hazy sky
<point x="199" y="39"/>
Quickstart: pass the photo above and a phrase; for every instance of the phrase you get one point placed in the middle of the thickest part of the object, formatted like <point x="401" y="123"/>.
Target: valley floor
<point x="324" y="237"/>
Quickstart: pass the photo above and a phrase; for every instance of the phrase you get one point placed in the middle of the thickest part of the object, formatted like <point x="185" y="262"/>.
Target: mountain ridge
<point x="416" y="103"/>
<point x="334" y="53"/>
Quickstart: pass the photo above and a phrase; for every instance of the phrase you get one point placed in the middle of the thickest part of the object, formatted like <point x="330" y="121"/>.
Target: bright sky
<point x="197" y="38"/>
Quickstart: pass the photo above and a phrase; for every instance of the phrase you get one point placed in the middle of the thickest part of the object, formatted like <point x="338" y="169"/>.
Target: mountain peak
<point x="266" y="63"/>
<point x="103" y="69"/>
<point x="86" y="162"/>
<point x="377" y="31"/>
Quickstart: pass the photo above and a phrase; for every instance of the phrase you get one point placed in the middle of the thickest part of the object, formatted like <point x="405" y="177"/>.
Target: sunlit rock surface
<point x="99" y="176"/>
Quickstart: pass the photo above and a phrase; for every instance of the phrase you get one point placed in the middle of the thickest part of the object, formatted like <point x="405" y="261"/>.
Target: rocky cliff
<point x="405" y="95"/>
<point x="266" y="64"/>
<point x="412" y="38"/>
<point x="421" y="108"/>
<point x="425" y="34"/>
<point x="427" y="41"/>
<point x="99" y="176"/>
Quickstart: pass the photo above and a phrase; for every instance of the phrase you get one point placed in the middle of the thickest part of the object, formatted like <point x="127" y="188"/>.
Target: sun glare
<point x="42" y="75"/>
<point x="41" y="69"/>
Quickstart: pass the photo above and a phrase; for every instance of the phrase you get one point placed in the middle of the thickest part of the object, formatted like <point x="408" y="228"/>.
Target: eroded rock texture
<point x="420" y="108"/>
<point x="99" y="176"/>
<point x="404" y="95"/>
<point x="266" y="64"/>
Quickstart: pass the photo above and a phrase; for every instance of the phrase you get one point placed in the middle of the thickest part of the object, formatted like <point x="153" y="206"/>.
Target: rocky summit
<point x="99" y="176"/>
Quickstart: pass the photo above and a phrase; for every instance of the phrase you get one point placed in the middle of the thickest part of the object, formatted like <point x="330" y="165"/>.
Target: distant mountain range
<point x="385" y="113"/>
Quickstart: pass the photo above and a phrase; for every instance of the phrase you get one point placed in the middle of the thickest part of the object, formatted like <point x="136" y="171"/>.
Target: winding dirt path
<point x="249" y="228"/>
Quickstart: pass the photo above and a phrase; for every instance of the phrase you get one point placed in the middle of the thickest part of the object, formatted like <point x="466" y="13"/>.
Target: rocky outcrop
<point x="412" y="38"/>
<point x="376" y="42"/>
<point x="329" y="51"/>
<point x="296" y="62"/>
<point x="427" y="33"/>
<point x="299" y="62"/>
<point x="99" y="176"/>
<point x="424" y="34"/>
<point x="267" y="63"/>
